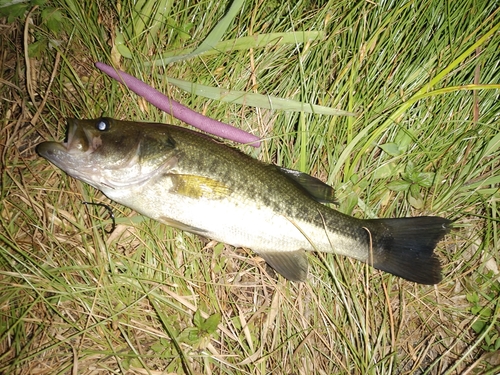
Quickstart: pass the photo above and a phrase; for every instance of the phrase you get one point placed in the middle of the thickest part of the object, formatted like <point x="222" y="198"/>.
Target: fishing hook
<point x="110" y="211"/>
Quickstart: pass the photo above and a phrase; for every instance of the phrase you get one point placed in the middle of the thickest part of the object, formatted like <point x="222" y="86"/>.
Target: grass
<point x="423" y="80"/>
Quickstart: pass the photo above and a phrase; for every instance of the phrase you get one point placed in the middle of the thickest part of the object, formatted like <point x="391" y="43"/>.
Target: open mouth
<point x="69" y="142"/>
<point x="79" y="139"/>
<point x="73" y="142"/>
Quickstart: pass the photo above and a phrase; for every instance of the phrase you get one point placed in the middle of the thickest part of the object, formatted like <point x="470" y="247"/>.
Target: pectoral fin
<point x="292" y="265"/>
<point x="198" y="186"/>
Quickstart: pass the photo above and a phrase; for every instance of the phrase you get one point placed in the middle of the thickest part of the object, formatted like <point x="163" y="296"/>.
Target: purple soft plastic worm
<point x="178" y="110"/>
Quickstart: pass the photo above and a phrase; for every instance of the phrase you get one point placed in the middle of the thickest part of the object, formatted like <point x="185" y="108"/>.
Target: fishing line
<point x="110" y="211"/>
<point x="370" y="254"/>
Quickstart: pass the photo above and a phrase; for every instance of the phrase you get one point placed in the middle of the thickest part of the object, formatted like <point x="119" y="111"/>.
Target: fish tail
<point x="405" y="247"/>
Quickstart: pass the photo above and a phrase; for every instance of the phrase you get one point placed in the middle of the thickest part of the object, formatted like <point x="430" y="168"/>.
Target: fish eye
<point x="102" y="125"/>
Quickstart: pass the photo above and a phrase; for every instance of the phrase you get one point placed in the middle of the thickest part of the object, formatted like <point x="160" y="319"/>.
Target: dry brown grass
<point x="76" y="300"/>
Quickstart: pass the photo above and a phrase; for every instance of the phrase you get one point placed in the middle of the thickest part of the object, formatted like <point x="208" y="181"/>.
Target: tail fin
<point x="405" y="246"/>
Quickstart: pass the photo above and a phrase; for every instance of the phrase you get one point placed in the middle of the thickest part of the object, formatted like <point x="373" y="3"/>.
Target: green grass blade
<point x="406" y="105"/>
<point x="243" y="43"/>
<point x="423" y="78"/>
<point x="255" y="100"/>
<point x="214" y="36"/>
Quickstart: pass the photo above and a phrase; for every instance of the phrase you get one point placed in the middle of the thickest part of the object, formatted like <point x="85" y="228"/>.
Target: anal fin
<point x="292" y="265"/>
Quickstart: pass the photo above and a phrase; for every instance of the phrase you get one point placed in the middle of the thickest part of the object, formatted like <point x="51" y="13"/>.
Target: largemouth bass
<point x="195" y="183"/>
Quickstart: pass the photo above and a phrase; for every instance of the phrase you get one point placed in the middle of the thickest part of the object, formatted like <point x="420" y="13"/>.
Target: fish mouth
<point x="77" y="142"/>
<point x="73" y="155"/>
<point x="70" y="133"/>
<point x="76" y="137"/>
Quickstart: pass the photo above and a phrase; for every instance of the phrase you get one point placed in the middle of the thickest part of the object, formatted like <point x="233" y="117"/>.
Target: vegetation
<point x="421" y="77"/>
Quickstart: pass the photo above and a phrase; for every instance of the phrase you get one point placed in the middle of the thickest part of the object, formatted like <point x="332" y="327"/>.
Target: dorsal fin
<point x="318" y="189"/>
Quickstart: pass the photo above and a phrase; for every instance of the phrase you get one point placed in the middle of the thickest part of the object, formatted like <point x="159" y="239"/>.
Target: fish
<point x="196" y="183"/>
